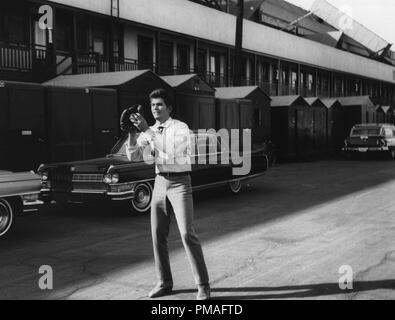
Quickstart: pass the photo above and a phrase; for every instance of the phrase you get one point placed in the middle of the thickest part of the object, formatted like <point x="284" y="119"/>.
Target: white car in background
<point x="18" y="193"/>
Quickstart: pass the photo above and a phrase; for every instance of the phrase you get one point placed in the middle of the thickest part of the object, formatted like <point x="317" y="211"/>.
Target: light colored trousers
<point x="178" y="192"/>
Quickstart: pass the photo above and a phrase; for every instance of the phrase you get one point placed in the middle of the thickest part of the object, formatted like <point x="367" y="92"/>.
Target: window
<point x="310" y="81"/>
<point x="83" y="33"/>
<point x="183" y="58"/>
<point x="366" y="132"/>
<point x="166" y="57"/>
<point x="202" y="62"/>
<point x="13" y="26"/>
<point x="285" y="76"/>
<point x="118" y="48"/>
<point x="243" y="69"/>
<point x="294" y="80"/>
<point x="145" y="52"/>
<point x="275" y="76"/>
<point x="265" y="71"/>
<point x="339" y="86"/>
<point x="64" y="32"/>
<point x="101" y="38"/>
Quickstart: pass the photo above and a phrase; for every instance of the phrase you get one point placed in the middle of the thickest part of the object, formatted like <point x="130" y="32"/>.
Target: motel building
<point x="286" y="50"/>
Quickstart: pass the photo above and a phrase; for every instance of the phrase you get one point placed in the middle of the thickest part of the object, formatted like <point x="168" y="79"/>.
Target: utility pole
<point x="239" y="44"/>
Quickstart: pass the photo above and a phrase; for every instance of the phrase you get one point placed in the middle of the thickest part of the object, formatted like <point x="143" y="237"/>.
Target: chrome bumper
<point x="115" y="192"/>
<point x="366" y="149"/>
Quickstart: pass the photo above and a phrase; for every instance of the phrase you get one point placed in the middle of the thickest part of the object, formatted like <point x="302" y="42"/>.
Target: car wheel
<point x="6" y="216"/>
<point x="141" y="202"/>
<point x="235" y="186"/>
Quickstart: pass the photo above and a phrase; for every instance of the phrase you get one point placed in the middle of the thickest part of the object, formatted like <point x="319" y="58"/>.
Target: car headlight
<point x="44" y="176"/>
<point x="111" y="178"/>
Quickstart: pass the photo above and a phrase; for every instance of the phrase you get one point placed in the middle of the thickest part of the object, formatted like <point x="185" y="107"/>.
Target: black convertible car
<point x="115" y="178"/>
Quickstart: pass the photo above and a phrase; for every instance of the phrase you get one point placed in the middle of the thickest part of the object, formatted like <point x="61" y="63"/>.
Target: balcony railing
<point x="19" y="57"/>
<point x="94" y="62"/>
<point x="323" y="93"/>
<point x="288" y="90"/>
<point x="40" y="63"/>
<point x="269" y="87"/>
<point x="174" y="70"/>
<point x="215" y="79"/>
<point x="307" y="92"/>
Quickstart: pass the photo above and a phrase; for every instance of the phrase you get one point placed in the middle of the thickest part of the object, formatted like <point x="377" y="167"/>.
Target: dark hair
<point x="161" y="93"/>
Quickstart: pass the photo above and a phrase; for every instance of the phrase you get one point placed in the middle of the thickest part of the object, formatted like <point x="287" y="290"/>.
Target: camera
<point x="126" y="124"/>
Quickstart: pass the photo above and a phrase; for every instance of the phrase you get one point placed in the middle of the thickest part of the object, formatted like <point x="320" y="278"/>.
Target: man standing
<point x="169" y="141"/>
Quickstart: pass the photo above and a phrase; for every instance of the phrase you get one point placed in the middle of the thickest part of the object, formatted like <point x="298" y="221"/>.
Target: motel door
<point x="26" y="140"/>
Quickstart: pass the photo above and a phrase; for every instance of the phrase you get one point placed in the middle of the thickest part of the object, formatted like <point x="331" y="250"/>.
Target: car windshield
<point x="366" y="132"/>
<point x="119" y="150"/>
<point x="201" y="144"/>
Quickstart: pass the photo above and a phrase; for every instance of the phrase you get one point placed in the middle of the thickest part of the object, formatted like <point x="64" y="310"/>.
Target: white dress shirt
<point x="169" y="143"/>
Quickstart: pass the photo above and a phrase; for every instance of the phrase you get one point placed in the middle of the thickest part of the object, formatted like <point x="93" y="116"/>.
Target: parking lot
<point x="284" y="237"/>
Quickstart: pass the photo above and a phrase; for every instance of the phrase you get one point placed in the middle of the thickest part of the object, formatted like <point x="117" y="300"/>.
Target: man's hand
<point x="139" y="122"/>
<point x="126" y="123"/>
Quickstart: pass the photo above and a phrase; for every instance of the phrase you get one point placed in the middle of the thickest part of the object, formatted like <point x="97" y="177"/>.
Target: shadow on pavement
<point x="290" y="292"/>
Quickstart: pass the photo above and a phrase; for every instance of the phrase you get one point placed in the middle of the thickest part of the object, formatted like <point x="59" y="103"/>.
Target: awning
<point x="237" y="92"/>
<point x="356" y="101"/>
<point x="349" y="26"/>
<point x="176" y="81"/>
<point x="314" y="102"/>
<point x="329" y="102"/>
<point x="287" y="101"/>
<point x="250" y="7"/>
<point x="331" y="38"/>
<point x="104" y="79"/>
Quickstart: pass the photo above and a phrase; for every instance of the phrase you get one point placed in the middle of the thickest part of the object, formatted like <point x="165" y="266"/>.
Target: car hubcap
<point x="235" y="186"/>
<point x="5" y="217"/>
<point x="142" y="198"/>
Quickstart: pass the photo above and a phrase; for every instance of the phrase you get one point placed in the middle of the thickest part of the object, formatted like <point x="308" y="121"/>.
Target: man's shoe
<point x="160" y="290"/>
<point x="204" y="292"/>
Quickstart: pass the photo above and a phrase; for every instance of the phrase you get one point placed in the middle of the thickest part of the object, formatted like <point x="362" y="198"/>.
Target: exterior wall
<point x="205" y="23"/>
<point x="284" y="45"/>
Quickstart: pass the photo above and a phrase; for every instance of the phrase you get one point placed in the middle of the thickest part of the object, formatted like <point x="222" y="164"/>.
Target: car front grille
<point x="87" y="178"/>
<point x="62" y="182"/>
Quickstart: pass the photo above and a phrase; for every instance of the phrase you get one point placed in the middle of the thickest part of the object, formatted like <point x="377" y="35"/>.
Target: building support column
<point x="239" y="44"/>
<point x="299" y="81"/>
<point x="279" y="80"/>
<point x="111" y="58"/>
<point x="53" y="72"/>
<point x="228" y="67"/>
<point x="75" y="45"/>
<point x="255" y="66"/>
<point x="196" y="57"/>
<point x="157" y="52"/>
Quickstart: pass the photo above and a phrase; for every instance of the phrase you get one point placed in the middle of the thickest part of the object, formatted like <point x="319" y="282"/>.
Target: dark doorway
<point x="145" y="52"/>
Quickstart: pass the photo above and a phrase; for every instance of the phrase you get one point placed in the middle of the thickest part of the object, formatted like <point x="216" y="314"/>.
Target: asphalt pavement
<point x="294" y="233"/>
